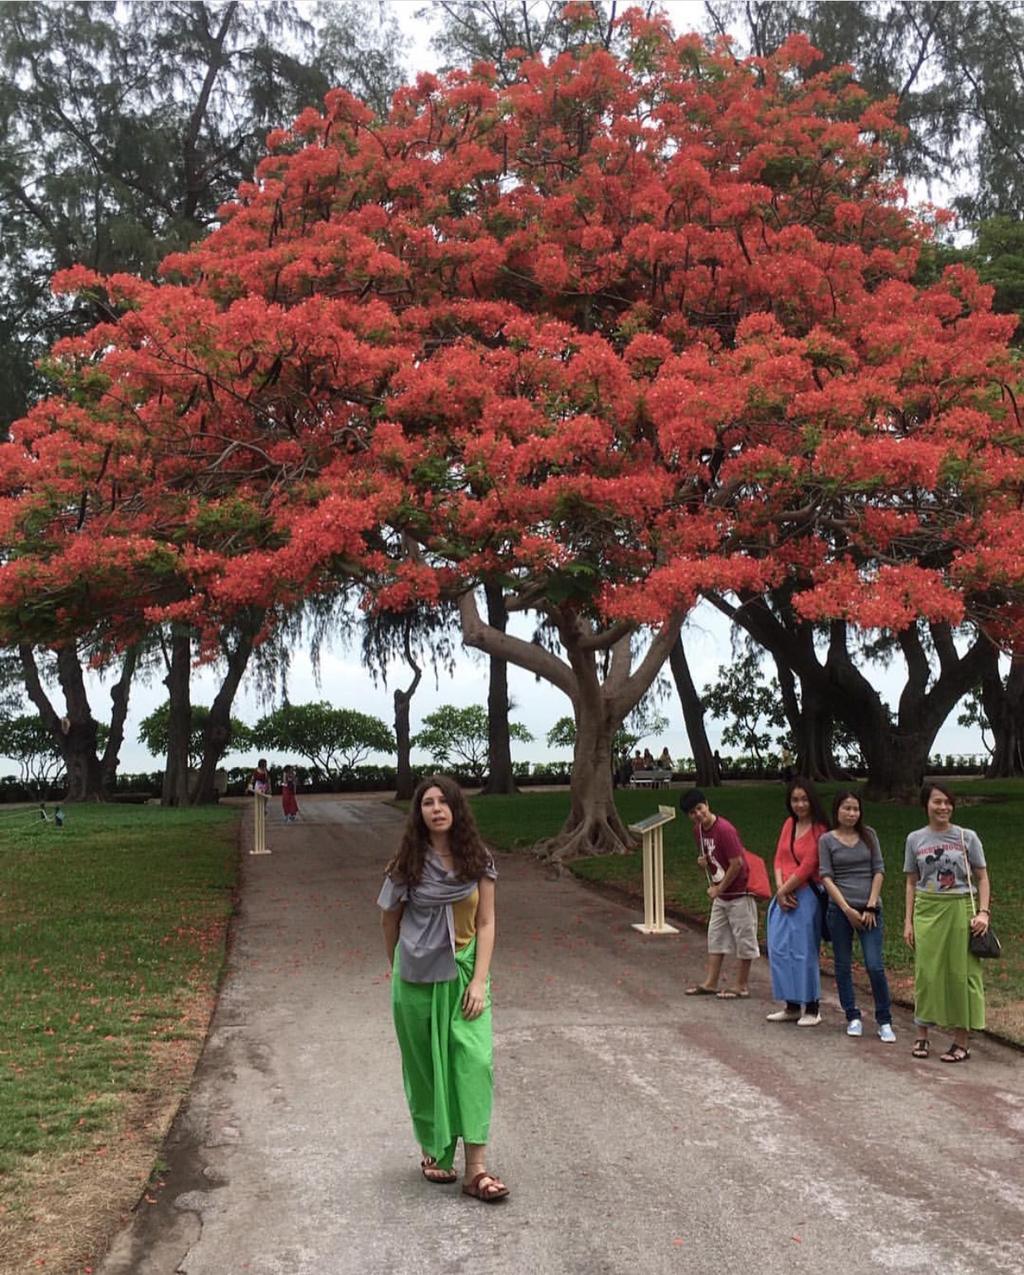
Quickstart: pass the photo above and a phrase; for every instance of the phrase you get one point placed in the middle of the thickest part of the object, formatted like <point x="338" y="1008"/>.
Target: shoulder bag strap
<point x="970" y="879"/>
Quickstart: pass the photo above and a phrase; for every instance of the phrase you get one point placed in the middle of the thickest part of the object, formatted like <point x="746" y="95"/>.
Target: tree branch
<point x="505" y="646"/>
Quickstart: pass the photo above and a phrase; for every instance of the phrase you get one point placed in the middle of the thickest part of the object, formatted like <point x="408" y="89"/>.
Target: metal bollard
<point x="650" y="831"/>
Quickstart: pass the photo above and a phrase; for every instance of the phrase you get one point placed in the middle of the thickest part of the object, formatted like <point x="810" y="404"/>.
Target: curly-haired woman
<point x="437" y="906"/>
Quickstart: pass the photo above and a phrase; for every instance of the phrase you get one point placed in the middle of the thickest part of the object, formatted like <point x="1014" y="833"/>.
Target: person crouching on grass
<point x="732" y="929"/>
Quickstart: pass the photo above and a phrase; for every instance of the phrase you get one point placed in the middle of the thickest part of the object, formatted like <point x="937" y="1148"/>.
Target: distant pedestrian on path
<point x="289" y="805"/>
<point x="439" y="927"/>
<point x="795" y="914"/>
<point x="852" y="871"/>
<point x="732" y="929"/>
<point x="260" y="781"/>
<point x="948" y="988"/>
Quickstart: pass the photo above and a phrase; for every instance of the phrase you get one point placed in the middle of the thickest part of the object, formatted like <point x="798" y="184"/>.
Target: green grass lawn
<point x="995" y="809"/>
<point x="112" y="935"/>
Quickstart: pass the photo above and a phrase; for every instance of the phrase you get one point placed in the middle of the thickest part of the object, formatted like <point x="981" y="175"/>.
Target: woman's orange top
<point x="801" y="858"/>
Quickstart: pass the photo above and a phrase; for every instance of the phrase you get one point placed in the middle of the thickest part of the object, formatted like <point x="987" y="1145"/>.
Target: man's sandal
<point x="955" y="1054"/>
<point x="922" y="1047"/>
<point x="486" y="1188"/>
<point x="433" y="1172"/>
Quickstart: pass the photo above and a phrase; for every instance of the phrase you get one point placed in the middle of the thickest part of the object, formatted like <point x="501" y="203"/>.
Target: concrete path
<point x="638" y="1130"/>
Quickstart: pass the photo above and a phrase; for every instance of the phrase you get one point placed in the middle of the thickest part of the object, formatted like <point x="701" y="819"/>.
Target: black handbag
<point x="985" y="946"/>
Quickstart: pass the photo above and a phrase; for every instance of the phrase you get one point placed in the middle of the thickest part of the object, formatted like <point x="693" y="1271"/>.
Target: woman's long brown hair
<point x="470" y="856"/>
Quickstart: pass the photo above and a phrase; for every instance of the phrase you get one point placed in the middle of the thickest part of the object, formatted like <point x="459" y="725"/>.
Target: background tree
<point x="749" y="706"/>
<point x="459" y="737"/>
<point x="40" y="761"/>
<point x="500" y="778"/>
<point x="333" y="740"/>
<point x="707" y="773"/>
<point x="644" y="722"/>
<point x="124" y="131"/>
<point x="501" y="32"/>
<point x="955" y="72"/>
<point x="90" y="751"/>
<point x="996" y="705"/>
<point x="361" y="44"/>
<point x="643" y="359"/>
<point x="154" y="730"/>
<point x="417" y="636"/>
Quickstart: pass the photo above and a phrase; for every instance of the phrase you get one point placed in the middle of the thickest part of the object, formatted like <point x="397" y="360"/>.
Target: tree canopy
<point x="625" y="329"/>
<point x="333" y="740"/>
<point x="458" y="737"/>
<point x="153" y="731"/>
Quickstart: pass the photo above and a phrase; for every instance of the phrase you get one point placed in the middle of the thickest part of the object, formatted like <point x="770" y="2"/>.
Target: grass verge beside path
<point x="112" y="940"/>
<point x="994" y="808"/>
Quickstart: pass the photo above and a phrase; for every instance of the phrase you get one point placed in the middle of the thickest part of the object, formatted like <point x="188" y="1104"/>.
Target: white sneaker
<point x="886" y="1034"/>
<point x="855" y="1028"/>
<point x="783" y="1016"/>
<point x="808" y="1020"/>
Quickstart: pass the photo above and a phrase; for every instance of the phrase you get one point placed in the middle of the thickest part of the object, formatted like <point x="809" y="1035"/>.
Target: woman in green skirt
<point x="437" y="906"/>
<point x="944" y="863"/>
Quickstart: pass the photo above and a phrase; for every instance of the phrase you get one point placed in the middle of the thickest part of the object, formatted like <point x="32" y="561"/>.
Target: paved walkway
<point x="638" y="1130"/>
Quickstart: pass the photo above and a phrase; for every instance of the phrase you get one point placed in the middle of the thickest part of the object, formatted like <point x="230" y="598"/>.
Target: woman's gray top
<point x="426" y="935"/>
<point x="850" y="867"/>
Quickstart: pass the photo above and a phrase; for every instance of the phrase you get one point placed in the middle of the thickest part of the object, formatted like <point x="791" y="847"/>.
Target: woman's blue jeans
<point x="871" y="946"/>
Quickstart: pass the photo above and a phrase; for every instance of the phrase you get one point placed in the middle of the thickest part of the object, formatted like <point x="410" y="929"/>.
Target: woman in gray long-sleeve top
<point x="852" y="872"/>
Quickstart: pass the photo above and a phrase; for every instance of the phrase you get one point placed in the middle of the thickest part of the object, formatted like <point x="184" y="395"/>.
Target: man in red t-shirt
<point x="732" y="929"/>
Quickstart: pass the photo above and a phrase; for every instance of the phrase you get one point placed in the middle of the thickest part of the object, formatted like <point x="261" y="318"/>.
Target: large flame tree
<point x="627" y="329"/>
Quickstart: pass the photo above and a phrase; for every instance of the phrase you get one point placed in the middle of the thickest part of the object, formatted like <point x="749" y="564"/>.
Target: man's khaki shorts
<point x="732" y="930"/>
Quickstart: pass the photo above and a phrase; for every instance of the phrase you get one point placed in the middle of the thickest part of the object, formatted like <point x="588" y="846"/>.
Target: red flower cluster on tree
<point x="623" y="330"/>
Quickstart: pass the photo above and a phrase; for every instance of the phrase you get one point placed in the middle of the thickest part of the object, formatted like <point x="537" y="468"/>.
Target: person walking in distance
<point x="289" y="802"/>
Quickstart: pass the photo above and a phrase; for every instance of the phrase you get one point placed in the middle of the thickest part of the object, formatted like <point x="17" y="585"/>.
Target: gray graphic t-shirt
<point x="938" y="858"/>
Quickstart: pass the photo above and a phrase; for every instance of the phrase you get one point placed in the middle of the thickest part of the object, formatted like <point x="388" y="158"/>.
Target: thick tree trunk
<point x="179" y="721"/>
<point x="693" y="717"/>
<point x="500" y="780"/>
<point x="897" y="764"/>
<point x="118" y="715"/>
<point x="217" y="731"/>
<point x="815" y="758"/>
<point x="895" y="749"/>
<point x="598" y="678"/>
<point x="405" y="784"/>
<point x="75" y="733"/>
<point x="594" y="825"/>
<point x="85" y="775"/>
<point x="897" y="752"/>
<point x="1004" y="708"/>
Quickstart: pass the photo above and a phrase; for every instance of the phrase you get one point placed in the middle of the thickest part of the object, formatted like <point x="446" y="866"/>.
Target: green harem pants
<point x="447" y="1060"/>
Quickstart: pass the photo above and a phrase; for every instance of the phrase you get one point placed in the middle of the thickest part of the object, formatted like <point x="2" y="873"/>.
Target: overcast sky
<point x="344" y="682"/>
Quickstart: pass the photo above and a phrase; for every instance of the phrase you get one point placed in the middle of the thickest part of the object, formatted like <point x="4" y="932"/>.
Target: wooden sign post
<point x="259" y="823"/>
<point x="649" y="830"/>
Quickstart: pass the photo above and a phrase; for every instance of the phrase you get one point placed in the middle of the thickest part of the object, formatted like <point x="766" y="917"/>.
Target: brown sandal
<point x="486" y="1188"/>
<point x="433" y="1172"/>
<point x="955" y="1054"/>
<point x="922" y="1047"/>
